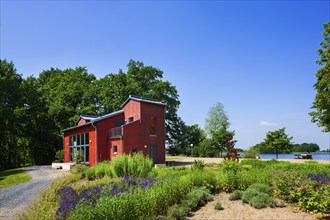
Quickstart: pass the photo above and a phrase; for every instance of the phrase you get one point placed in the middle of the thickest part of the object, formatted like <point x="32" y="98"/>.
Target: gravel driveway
<point x="14" y="199"/>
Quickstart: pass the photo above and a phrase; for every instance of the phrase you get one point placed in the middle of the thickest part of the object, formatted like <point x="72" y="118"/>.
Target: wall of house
<point x="80" y="130"/>
<point x="131" y="137"/>
<point x="153" y="110"/>
<point x="132" y="109"/>
<point x="81" y="121"/>
<point x="115" y="142"/>
<point x="103" y="132"/>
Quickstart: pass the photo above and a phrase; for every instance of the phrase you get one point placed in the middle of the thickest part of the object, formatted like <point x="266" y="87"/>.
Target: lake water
<point x="291" y="156"/>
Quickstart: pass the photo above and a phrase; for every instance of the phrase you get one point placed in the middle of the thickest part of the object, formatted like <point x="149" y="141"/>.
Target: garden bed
<point x="239" y="210"/>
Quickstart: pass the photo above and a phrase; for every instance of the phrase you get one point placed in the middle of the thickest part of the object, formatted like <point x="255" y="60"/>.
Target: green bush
<point x="196" y="198"/>
<point x="90" y="173"/>
<point x="79" y="169"/>
<point x="236" y="195"/>
<point x="203" y="178"/>
<point x="136" y="204"/>
<point x="126" y="165"/>
<point x="59" y="156"/>
<point x="198" y="165"/>
<point x="262" y="188"/>
<point x="261" y="200"/>
<point x="218" y="206"/>
<point x="249" y="194"/>
<point x="177" y="212"/>
<point x="259" y="196"/>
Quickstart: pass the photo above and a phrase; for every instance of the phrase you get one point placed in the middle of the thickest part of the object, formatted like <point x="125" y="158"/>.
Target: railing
<point x="115" y="132"/>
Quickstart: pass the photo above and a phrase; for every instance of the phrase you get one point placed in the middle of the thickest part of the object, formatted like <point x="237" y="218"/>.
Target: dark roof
<point x="98" y="118"/>
<point x="142" y="99"/>
<point x="87" y="117"/>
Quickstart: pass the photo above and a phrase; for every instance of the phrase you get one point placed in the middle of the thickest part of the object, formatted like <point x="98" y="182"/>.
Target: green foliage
<point x="205" y="179"/>
<point x="141" y="204"/>
<point x="196" y="198"/>
<point x="79" y="169"/>
<point x="236" y="195"/>
<point x="90" y="173"/>
<point x="198" y="165"/>
<point x="177" y="212"/>
<point x="127" y="165"/>
<point x="59" y="156"/>
<point x="259" y="196"/>
<point x="251" y="153"/>
<point x="13" y="177"/>
<point x="309" y="190"/>
<point x="216" y="126"/>
<point x="278" y="140"/>
<point x="321" y="104"/>
<point x="218" y="206"/>
<point x="45" y="208"/>
<point x="33" y="111"/>
<point x="305" y="147"/>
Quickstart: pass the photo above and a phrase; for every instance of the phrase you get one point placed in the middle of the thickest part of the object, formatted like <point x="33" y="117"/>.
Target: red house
<point x="138" y="127"/>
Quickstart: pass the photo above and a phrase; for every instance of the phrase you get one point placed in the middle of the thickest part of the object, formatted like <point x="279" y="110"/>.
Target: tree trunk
<point x="276" y="153"/>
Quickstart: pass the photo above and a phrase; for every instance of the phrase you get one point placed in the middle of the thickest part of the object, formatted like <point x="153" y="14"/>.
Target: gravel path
<point x="14" y="199"/>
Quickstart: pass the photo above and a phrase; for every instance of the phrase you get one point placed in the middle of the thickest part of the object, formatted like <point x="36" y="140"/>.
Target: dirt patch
<point x="239" y="210"/>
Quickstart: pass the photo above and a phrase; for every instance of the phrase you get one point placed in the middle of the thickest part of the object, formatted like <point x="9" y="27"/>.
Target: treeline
<point x="34" y="110"/>
<point x="305" y="147"/>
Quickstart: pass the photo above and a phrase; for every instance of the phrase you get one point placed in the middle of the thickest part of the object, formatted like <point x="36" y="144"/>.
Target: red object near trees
<point x="139" y="127"/>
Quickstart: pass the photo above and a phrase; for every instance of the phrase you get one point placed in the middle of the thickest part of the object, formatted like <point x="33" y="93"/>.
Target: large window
<point x="153" y="125"/>
<point x="79" y="147"/>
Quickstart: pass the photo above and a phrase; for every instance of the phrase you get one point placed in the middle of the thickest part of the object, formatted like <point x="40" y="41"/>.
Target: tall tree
<point x="10" y="101"/>
<point x="112" y="90"/>
<point x="278" y="140"/>
<point x="321" y="104"/>
<point x="216" y="126"/>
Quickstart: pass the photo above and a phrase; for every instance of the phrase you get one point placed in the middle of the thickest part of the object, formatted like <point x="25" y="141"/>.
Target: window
<point x="115" y="150"/>
<point x="79" y="147"/>
<point x="153" y="125"/>
<point x="130" y="119"/>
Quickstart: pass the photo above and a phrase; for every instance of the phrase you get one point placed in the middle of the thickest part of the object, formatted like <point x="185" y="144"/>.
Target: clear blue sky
<point x="255" y="57"/>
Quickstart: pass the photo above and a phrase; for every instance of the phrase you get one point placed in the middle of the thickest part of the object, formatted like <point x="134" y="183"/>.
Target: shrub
<point x="198" y="165"/>
<point x="126" y="165"/>
<point x="203" y="178"/>
<point x="262" y="188"/>
<point x="90" y="173"/>
<point x="198" y="197"/>
<point x="136" y="203"/>
<point x="59" y="156"/>
<point x="218" y="206"/>
<point x="177" y="212"/>
<point x="236" y="195"/>
<point x="308" y="190"/>
<point x="79" y="169"/>
<point x="249" y="194"/>
<point x="250" y="153"/>
<point x="258" y="196"/>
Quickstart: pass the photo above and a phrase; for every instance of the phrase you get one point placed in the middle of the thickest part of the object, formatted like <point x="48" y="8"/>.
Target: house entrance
<point x="154" y="153"/>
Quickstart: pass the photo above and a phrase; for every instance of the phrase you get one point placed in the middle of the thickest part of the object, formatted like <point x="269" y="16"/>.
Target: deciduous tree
<point x="321" y="104"/>
<point x="278" y="140"/>
<point x="216" y="126"/>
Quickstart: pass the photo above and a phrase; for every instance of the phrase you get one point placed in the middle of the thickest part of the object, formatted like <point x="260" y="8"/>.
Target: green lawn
<point x="13" y="177"/>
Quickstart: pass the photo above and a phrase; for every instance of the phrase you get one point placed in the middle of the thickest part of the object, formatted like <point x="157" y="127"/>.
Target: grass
<point x="13" y="177"/>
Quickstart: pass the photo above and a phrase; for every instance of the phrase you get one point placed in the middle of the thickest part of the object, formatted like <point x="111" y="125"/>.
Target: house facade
<point x="139" y="127"/>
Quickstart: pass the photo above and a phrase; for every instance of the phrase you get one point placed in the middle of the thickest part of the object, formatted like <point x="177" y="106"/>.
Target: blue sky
<point x="255" y="57"/>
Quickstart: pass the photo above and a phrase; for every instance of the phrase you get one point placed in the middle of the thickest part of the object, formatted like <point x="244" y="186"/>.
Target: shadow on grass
<point x="4" y="174"/>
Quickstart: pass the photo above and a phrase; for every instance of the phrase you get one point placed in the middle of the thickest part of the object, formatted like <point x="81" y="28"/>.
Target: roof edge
<point x="142" y="99"/>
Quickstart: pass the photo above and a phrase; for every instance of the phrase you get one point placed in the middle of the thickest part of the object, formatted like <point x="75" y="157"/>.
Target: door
<point x="153" y="153"/>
